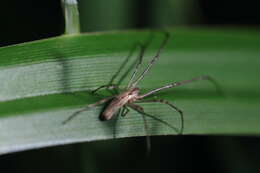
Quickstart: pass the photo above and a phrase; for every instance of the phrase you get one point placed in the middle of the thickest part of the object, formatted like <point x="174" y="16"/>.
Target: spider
<point x="121" y="101"/>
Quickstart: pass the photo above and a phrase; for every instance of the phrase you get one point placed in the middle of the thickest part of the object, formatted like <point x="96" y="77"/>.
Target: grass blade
<point x="44" y="82"/>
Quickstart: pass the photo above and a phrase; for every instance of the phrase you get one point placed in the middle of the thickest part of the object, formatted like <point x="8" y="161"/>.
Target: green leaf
<point x="44" y="82"/>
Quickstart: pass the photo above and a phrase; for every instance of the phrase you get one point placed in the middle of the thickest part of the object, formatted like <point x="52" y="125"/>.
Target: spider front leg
<point x="169" y="104"/>
<point x="86" y="108"/>
<point x="110" y="87"/>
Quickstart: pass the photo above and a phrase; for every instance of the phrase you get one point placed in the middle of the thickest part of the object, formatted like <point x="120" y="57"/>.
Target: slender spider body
<point x="120" y="102"/>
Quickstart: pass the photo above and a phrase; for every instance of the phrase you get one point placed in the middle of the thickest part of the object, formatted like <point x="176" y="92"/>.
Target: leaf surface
<point x="44" y="82"/>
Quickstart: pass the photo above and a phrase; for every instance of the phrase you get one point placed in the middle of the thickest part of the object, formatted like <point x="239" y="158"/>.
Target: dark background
<point x="28" y="20"/>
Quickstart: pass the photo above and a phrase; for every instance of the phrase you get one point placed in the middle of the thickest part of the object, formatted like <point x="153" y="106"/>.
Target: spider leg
<point x="148" y="138"/>
<point x="175" y="84"/>
<point x="141" y="111"/>
<point x="86" y="108"/>
<point x="110" y="87"/>
<point x="124" y="111"/>
<point x="116" y="119"/>
<point x="169" y="104"/>
<point x="133" y="64"/>
<point x="154" y="59"/>
<point x="140" y="60"/>
<point x="123" y="66"/>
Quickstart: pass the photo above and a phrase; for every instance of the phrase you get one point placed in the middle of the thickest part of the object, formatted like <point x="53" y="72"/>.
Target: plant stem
<point x="71" y="14"/>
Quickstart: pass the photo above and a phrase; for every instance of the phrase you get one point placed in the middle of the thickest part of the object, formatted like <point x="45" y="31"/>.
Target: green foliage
<point x="44" y="82"/>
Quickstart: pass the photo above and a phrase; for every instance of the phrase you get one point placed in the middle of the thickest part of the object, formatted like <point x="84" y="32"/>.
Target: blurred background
<point x="28" y="20"/>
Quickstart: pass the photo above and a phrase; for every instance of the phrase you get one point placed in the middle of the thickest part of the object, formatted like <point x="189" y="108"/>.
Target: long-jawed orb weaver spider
<point x="130" y="95"/>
